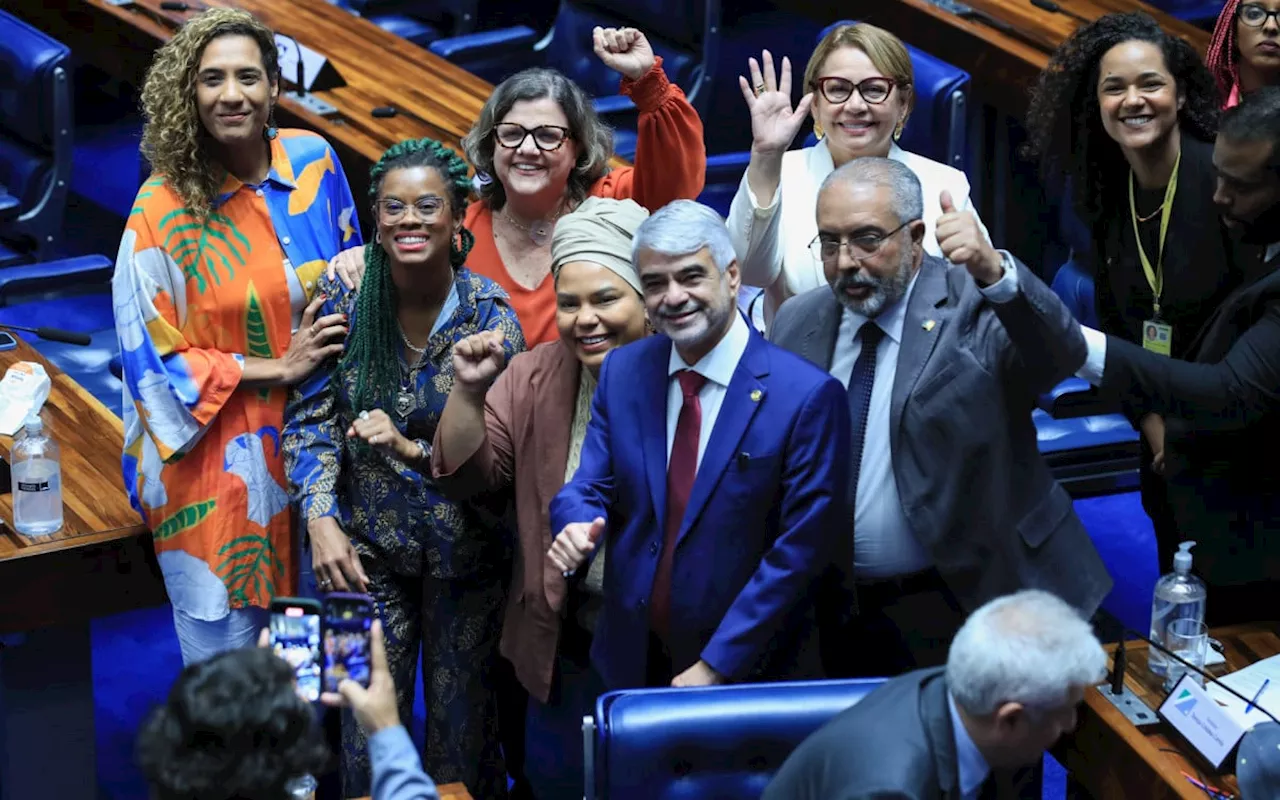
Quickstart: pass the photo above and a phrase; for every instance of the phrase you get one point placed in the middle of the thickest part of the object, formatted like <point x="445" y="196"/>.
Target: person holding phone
<point x="216" y="311"/>
<point x="357" y="457"/>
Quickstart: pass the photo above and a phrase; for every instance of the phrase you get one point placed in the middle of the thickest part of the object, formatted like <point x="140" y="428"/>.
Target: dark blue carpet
<point x="136" y="658"/>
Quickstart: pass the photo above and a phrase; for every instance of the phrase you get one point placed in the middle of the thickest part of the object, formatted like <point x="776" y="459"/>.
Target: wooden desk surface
<point x="434" y="97"/>
<point x="95" y="506"/>
<point x="1004" y="67"/>
<point x="1113" y="759"/>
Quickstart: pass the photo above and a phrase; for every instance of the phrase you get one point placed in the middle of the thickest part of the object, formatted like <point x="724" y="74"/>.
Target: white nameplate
<point x="317" y="73"/>
<point x="1204" y="724"/>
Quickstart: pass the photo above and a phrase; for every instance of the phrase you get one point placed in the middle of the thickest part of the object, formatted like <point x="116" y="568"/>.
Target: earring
<point x="897" y="131"/>
<point x="377" y="237"/>
<point x="270" y="132"/>
<point x="817" y="129"/>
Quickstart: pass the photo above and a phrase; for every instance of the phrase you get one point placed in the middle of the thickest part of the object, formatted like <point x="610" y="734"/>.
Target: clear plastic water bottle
<point x="1178" y="595"/>
<point x="36" y="474"/>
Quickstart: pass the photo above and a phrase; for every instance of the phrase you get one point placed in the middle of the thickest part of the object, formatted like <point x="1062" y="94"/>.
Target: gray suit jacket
<point x="896" y="743"/>
<point x="973" y="484"/>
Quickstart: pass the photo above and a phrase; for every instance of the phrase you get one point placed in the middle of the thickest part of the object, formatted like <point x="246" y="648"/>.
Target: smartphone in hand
<point x="295" y="637"/>
<point x="347" y="621"/>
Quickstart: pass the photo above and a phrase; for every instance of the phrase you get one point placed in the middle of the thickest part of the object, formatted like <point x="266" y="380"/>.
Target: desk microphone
<point x="54" y="334"/>
<point x="1121" y="662"/>
<point x="1054" y="8"/>
<point x="299" y="77"/>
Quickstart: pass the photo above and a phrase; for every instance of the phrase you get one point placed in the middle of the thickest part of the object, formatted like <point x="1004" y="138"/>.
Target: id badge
<point x="1157" y="337"/>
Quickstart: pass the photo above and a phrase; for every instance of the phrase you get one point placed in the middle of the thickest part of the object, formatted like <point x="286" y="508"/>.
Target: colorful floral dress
<point x="202" y="459"/>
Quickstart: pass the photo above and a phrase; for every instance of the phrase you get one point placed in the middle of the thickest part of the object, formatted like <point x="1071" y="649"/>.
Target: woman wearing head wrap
<point x="525" y="431"/>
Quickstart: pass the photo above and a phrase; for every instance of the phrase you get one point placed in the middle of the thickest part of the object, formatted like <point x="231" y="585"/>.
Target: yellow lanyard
<point x="1155" y="277"/>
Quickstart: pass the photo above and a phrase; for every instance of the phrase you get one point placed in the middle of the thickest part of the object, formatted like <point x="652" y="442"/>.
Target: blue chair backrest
<point x="722" y="742"/>
<point x="35" y="128"/>
<point x="685" y="33"/>
<point x="938" y="126"/>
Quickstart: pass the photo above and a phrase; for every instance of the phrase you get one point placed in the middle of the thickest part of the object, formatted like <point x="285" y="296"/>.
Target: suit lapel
<point x="651" y="411"/>
<point x="819" y="342"/>
<point x="936" y="717"/>
<point x="742" y="399"/>
<point x="926" y="317"/>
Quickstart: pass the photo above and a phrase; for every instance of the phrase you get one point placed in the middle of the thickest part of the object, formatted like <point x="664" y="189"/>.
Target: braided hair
<point x="1064" y="122"/>
<point x="1221" y="57"/>
<point x="372" y="344"/>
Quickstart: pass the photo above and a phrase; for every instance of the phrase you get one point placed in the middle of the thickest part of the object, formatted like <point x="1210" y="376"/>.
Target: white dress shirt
<point x="771" y="235"/>
<point x="717" y="366"/>
<point x="971" y="766"/>
<point x="884" y="546"/>
<point x="1095" y="362"/>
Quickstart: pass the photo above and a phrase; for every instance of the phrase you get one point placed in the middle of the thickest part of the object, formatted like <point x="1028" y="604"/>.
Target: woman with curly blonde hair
<point x="213" y="295"/>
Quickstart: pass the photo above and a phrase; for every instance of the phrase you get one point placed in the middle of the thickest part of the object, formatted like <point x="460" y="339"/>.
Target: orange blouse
<point x="671" y="164"/>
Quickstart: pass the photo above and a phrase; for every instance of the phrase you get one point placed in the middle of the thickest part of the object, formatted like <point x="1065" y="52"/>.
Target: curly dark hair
<point x="371" y="347"/>
<point x="233" y="728"/>
<point x="1064" y="122"/>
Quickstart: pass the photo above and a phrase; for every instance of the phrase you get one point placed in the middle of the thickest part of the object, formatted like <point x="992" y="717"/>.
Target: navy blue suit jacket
<point x="767" y="513"/>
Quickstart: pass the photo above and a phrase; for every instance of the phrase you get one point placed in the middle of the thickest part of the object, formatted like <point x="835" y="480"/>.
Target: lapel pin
<point x="756" y="394"/>
<point x="928" y="324"/>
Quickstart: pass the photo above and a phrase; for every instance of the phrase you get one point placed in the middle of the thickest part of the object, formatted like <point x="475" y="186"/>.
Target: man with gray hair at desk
<point x="1015" y="673"/>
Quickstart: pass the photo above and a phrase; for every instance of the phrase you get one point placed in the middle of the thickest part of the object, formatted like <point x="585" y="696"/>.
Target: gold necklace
<point x="1153" y="214"/>
<point x="539" y="231"/>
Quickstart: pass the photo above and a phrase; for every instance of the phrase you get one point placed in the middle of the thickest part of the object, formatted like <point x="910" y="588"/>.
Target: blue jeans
<point x="202" y="639"/>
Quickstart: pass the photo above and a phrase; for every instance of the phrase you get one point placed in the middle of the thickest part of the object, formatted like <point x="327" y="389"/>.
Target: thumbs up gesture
<point x="962" y="241"/>
<point x="573" y="544"/>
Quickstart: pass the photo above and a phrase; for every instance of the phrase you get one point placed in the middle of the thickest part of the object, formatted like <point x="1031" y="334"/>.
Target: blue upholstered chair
<point x="937" y="128"/>
<point x="72" y="294"/>
<point x="35" y="140"/>
<point x="684" y="32"/>
<point x="722" y="742"/>
<point x="395" y="18"/>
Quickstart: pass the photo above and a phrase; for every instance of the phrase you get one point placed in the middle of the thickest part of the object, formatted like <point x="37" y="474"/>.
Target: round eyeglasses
<point x="859" y="247"/>
<point x="427" y="209"/>
<point x="1255" y="16"/>
<point x="873" y="90"/>
<point x="547" y="138"/>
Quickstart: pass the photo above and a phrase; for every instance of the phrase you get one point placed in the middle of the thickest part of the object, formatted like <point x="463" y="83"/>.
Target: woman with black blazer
<point x="1127" y="114"/>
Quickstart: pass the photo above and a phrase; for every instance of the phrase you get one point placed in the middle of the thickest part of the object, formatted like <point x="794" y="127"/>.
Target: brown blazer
<point x="528" y="414"/>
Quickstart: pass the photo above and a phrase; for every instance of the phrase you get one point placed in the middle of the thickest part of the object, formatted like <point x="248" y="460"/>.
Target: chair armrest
<point x="53" y="274"/>
<point x="485" y="44"/>
<point x="9" y="205"/>
<point x="1075" y="397"/>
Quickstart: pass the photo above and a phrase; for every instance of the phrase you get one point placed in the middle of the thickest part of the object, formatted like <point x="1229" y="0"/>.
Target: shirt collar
<point x="891" y="320"/>
<point x="719" y="364"/>
<point x="281" y="173"/>
<point x="971" y="767"/>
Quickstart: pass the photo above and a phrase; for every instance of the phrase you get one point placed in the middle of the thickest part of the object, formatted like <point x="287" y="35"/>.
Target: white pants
<point x="202" y="639"/>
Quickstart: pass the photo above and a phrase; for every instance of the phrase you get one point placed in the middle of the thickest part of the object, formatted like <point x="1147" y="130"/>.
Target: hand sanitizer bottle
<point x="1178" y="595"/>
<point x="37" y="481"/>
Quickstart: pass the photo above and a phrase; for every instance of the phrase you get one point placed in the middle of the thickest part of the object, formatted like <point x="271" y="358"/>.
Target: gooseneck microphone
<point x="1054" y="8"/>
<point x="54" y="334"/>
<point x="299" y="77"/>
<point x="1121" y="662"/>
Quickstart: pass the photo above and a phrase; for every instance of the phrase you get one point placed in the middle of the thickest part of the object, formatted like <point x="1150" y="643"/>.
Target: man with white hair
<point x="1016" y="672"/>
<point x="714" y="464"/>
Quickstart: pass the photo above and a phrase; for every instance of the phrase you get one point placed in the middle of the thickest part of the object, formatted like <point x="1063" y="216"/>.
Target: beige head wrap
<point x="600" y="231"/>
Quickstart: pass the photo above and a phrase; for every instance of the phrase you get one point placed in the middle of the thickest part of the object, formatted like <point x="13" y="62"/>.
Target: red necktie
<point x="681" y="470"/>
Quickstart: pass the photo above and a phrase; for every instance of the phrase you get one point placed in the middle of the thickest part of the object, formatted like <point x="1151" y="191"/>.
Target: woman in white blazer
<point x="858" y="84"/>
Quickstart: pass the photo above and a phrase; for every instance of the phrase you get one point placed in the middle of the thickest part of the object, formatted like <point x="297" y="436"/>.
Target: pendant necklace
<point x="539" y="231"/>
<point x="406" y="400"/>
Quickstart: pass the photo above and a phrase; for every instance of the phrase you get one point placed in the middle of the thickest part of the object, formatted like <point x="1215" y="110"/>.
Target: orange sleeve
<point x="671" y="155"/>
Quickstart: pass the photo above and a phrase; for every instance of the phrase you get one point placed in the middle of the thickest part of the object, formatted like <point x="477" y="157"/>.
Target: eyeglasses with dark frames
<point x="547" y="138"/>
<point x="859" y="247"/>
<point x="1256" y="16"/>
<point x="427" y="208"/>
<point x="873" y="90"/>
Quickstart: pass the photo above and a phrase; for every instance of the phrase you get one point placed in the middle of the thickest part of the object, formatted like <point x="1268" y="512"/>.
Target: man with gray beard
<point x="953" y="504"/>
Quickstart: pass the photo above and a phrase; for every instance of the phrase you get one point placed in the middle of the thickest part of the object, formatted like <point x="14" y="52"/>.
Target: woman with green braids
<point x="358" y="458"/>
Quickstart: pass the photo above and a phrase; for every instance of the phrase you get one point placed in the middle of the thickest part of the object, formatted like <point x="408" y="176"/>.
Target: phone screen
<point x="346" y="641"/>
<point x="295" y="637"/>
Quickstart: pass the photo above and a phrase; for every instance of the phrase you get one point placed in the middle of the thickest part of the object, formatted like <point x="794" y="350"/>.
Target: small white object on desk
<point x="23" y="391"/>
<point x="1260" y="681"/>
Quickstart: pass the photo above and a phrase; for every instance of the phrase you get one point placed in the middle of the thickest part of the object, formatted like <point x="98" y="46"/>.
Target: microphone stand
<point x="54" y="334"/>
<point x="299" y="95"/>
